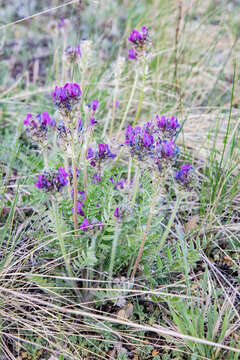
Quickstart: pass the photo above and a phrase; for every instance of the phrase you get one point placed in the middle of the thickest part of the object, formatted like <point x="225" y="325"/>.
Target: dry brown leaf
<point x="126" y="312"/>
<point x="227" y="260"/>
<point x="191" y="224"/>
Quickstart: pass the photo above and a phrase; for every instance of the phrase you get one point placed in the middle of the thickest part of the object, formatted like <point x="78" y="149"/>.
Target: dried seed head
<point x="119" y="66"/>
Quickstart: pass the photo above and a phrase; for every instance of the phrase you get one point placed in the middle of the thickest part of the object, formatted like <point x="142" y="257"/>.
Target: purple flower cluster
<point x="184" y="175"/>
<point x="120" y="212"/>
<point x="144" y="142"/>
<point x="98" y="156"/>
<point x="67" y="96"/>
<point x="93" y="105"/>
<point x="38" y="126"/>
<point x="80" y="207"/>
<point x="168" y="126"/>
<point x="97" y="178"/>
<point x="118" y="183"/>
<point x="80" y="202"/>
<point x="140" y="40"/>
<point x="166" y="151"/>
<point x="53" y="181"/>
<point x="140" y="140"/>
<point x="73" y="54"/>
<point x="87" y="225"/>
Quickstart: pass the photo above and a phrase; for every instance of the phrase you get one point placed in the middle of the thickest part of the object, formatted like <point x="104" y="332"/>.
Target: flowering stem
<point x="129" y="103"/>
<point x="60" y="238"/>
<point x="82" y="77"/>
<point x="85" y="177"/>
<point x="141" y="95"/>
<point x="114" y="249"/>
<point x="169" y="225"/>
<point x="113" y="108"/>
<point x="45" y="159"/>
<point x="129" y="170"/>
<point x="66" y="165"/>
<point x="75" y="221"/>
<point x="136" y="184"/>
<point x="150" y="215"/>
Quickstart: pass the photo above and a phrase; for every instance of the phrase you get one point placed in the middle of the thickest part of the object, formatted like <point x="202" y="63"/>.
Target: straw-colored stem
<point x="45" y="159"/>
<point x="140" y="102"/>
<point x="169" y="225"/>
<point x="60" y="238"/>
<point x="113" y="109"/>
<point x="85" y="177"/>
<point x="128" y="104"/>
<point x="129" y="170"/>
<point x="75" y="220"/>
<point x="136" y="185"/>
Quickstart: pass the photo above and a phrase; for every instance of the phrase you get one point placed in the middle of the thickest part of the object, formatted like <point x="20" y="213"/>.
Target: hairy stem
<point x="66" y="165"/>
<point x="113" y="108"/>
<point x="45" y="159"/>
<point x="150" y="215"/>
<point x="60" y="238"/>
<point x="75" y="220"/>
<point x="129" y="171"/>
<point x="128" y="104"/>
<point x="136" y="184"/>
<point x="169" y="225"/>
<point x="176" y="42"/>
<point x="114" y="249"/>
<point x="140" y="102"/>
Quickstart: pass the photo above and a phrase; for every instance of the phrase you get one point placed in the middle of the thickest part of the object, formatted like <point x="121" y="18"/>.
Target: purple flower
<point x="184" y="174"/>
<point x="118" y="183"/>
<point x="80" y="125"/>
<point x="132" y="54"/>
<point x="167" y="149"/>
<point x="96" y="178"/>
<point x="67" y="96"/>
<point x="140" y="140"/>
<point x="61" y="23"/>
<point x="43" y="183"/>
<point x="117" y="104"/>
<point x="26" y="121"/>
<point x="62" y="176"/>
<point x="86" y="225"/>
<point x="94" y="105"/>
<point x="168" y="126"/>
<point x="40" y="120"/>
<point x="90" y="153"/>
<point x="38" y="126"/>
<point x="140" y="40"/>
<point x="99" y="155"/>
<point x="135" y="36"/>
<point x="73" y="53"/>
<point x="52" y="181"/>
<point x="92" y="121"/>
<point x="79" y="208"/>
<point x="117" y="212"/>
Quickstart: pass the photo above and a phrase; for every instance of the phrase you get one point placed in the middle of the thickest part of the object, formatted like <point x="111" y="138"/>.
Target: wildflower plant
<point x="101" y="194"/>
